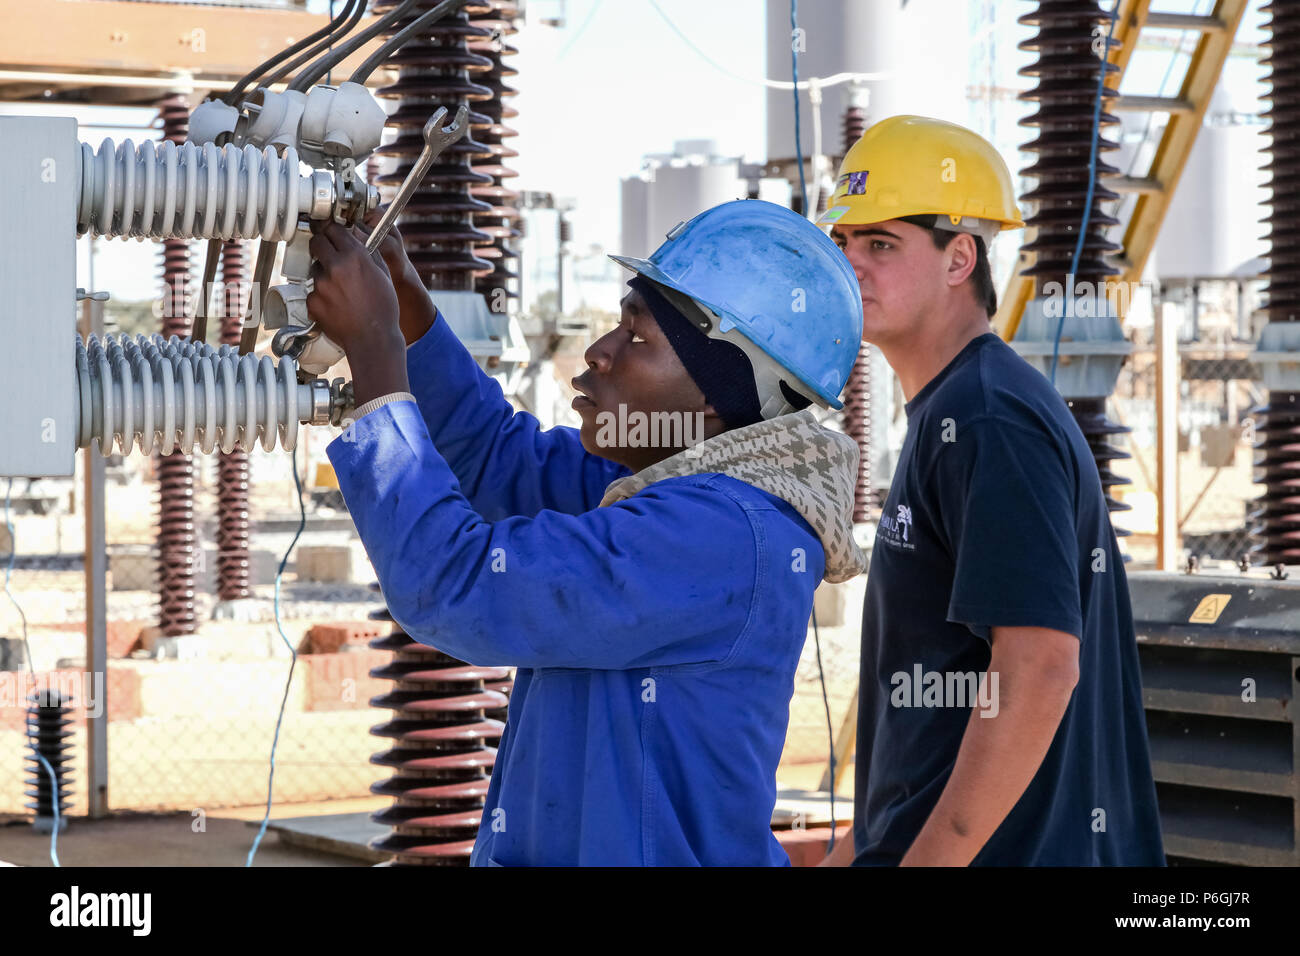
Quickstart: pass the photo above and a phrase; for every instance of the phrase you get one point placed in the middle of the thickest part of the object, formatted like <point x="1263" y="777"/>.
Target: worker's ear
<point x="961" y="257"/>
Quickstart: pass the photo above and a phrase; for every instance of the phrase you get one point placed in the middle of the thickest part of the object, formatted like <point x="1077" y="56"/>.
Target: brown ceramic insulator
<point x="233" y="564"/>
<point x="437" y="69"/>
<point x="502" y="221"/>
<point x="855" y="124"/>
<point x="1275" y="520"/>
<point x="176" y="541"/>
<point x="1090" y="413"/>
<point x="1067" y="70"/>
<point x="857" y="425"/>
<point x="441" y="753"/>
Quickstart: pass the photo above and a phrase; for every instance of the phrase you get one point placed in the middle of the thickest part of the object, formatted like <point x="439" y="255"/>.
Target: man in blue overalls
<point x="651" y="574"/>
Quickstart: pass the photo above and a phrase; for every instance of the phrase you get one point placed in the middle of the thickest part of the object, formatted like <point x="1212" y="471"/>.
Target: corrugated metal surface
<point x="1220" y="674"/>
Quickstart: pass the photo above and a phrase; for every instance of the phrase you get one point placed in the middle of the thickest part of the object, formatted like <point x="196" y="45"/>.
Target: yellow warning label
<point x="1208" y="611"/>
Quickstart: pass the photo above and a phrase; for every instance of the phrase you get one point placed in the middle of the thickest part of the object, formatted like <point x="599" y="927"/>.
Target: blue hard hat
<point x="774" y="276"/>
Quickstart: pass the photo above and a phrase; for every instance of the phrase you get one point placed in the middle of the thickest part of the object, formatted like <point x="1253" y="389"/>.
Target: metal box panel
<point x="39" y="184"/>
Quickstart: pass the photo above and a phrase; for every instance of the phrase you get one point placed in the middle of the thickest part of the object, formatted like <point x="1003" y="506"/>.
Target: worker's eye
<point x="881" y="244"/>
<point x="636" y="339"/>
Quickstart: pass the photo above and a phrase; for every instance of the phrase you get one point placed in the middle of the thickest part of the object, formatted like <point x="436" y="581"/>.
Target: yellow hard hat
<point x="916" y="166"/>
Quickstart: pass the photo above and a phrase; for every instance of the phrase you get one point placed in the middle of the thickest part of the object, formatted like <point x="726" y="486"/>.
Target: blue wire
<point x="794" y="73"/>
<point x="1092" y="180"/>
<point x="27" y="649"/>
<point x="293" y="658"/>
<point x="821" y="674"/>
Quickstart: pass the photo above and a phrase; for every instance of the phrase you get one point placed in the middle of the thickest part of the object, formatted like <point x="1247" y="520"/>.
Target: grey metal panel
<point x="39" y="184"/>
<point x="1225" y="761"/>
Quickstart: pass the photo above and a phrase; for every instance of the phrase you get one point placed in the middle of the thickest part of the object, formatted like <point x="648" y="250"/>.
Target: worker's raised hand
<point x="353" y="301"/>
<point x="417" y="308"/>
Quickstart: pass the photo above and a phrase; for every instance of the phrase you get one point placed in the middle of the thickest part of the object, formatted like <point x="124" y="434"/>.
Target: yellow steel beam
<point x="1176" y="144"/>
<point x="1204" y="68"/>
<point x="214" y="45"/>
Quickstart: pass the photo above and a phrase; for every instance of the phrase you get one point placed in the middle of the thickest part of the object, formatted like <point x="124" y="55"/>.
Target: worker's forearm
<point x="998" y="758"/>
<point x="417" y="310"/>
<point x="378" y="367"/>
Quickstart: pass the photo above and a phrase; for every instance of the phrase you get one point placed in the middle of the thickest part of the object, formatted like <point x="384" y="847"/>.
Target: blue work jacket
<point x="656" y="638"/>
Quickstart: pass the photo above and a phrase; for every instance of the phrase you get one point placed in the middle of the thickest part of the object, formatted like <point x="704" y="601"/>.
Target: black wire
<point x="821" y="674"/>
<point x="258" y="71"/>
<point x="311" y="74"/>
<point x="362" y="73"/>
<point x="355" y="10"/>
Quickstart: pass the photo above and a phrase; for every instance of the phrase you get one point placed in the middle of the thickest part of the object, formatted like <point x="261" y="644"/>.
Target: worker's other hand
<point x="353" y="301"/>
<point x="417" y="309"/>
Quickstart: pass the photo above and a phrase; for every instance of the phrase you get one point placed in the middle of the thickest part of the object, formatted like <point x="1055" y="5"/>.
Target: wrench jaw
<point x="286" y="306"/>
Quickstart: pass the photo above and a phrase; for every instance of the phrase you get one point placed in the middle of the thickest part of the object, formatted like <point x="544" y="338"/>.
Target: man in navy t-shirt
<point x="1000" y="708"/>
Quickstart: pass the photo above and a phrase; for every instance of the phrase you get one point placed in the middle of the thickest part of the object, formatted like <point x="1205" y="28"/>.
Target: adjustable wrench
<point x="293" y="341"/>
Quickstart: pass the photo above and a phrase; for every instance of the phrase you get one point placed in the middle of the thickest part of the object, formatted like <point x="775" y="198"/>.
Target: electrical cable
<point x="31" y="669"/>
<point x="821" y="674"/>
<point x="257" y="72"/>
<point x="293" y="657"/>
<point x="313" y="72"/>
<point x="794" y="76"/>
<point x="1092" y="179"/>
<point x="582" y="28"/>
<point x="354" y="15"/>
<point x="362" y="73"/>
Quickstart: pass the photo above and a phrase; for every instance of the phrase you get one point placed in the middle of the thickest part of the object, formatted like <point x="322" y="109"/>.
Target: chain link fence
<point x="190" y="719"/>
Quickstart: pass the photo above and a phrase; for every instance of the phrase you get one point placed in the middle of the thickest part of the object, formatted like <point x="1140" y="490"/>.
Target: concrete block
<point x="342" y="681"/>
<point x="214" y="690"/>
<point x="324" y="562"/>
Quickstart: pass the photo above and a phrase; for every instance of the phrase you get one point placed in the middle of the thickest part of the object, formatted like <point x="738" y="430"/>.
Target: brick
<point x="330" y="638"/>
<point x="808" y="847"/>
<point x="327" y="674"/>
<point x="121" y="685"/>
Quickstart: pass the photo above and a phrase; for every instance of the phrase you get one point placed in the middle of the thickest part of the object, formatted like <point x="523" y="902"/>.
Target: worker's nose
<point x="599" y="354"/>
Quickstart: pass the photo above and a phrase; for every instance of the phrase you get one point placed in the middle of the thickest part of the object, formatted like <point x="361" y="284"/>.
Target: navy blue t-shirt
<point x="996" y="517"/>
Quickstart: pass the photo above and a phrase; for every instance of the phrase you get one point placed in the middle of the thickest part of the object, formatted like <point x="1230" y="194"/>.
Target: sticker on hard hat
<point x="857" y="183"/>
<point x="832" y="214"/>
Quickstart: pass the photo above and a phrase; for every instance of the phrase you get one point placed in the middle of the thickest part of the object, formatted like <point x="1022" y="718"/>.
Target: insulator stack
<point x="48" y="719"/>
<point x="501" y="223"/>
<point x="1067" y="70"/>
<point x="1090" y="413"/>
<point x="1276" y="517"/>
<point x="177" y="547"/>
<point x="441" y="753"/>
<point x="233" y="565"/>
<point x="857" y="425"/>
<point x="855" y="124"/>
<point x="857" y="394"/>
<point x="184" y="396"/>
<point x="434" y="70"/>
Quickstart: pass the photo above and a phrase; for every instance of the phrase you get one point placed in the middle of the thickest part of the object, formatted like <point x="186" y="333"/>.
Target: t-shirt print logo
<point x="897" y="528"/>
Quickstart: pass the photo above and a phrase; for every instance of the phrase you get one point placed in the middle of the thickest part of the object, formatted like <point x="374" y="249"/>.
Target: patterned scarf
<point x="790" y="456"/>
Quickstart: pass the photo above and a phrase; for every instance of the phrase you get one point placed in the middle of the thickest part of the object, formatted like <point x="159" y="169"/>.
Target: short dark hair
<point x="981" y="277"/>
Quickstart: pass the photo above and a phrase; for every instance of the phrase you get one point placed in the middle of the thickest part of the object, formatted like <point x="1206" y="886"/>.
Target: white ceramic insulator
<point x="178" y="396"/>
<point x="164" y="190"/>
